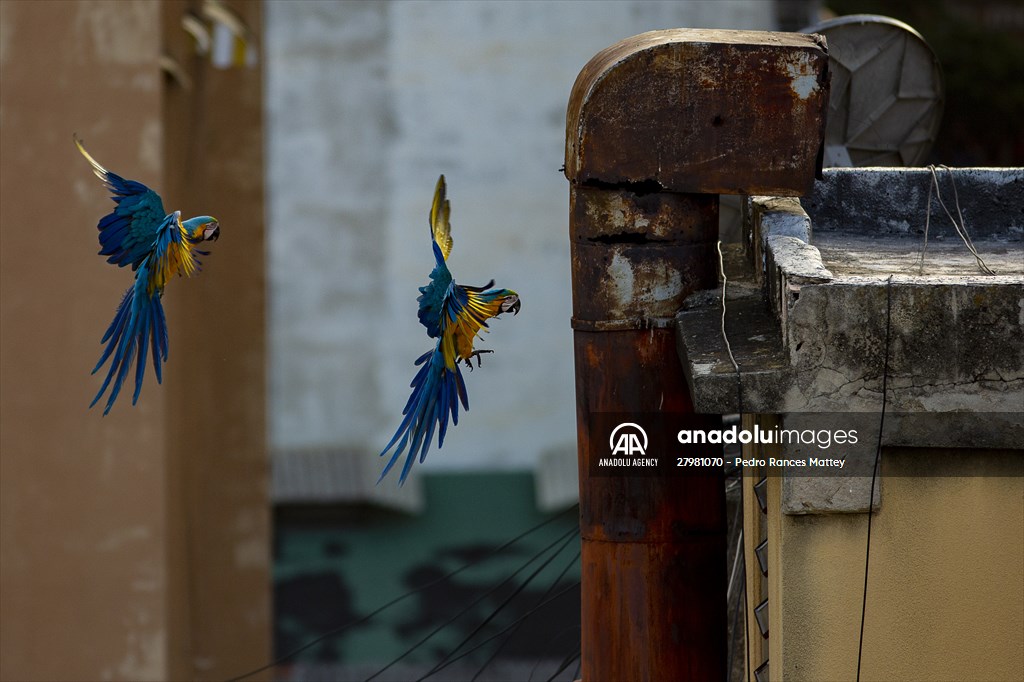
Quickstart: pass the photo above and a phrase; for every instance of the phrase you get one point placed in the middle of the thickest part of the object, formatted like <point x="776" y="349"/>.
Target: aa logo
<point x="628" y="439"/>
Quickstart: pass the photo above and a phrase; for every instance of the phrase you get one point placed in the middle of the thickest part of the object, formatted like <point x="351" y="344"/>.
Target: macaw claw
<point x="479" y="360"/>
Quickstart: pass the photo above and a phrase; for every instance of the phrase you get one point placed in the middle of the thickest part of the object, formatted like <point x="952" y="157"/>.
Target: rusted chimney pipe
<point x="657" y="126"/>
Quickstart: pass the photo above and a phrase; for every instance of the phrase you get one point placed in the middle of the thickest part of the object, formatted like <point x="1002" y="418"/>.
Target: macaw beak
<point x="515" y="307"/>
<point x="211" y="232"/>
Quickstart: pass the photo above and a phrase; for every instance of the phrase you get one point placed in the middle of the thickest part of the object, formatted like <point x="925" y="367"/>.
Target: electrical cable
<point x="334" y="631"/>
<point x="567" y="536"/>
<point x="874" y="471"/>
<point x="497" y="649"/>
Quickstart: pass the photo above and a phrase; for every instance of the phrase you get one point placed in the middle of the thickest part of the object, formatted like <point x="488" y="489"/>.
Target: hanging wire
<point x="743" y="594"/>
<point x="732" y="637"/>
<point x="342" y="628"/>
<point x="927" y="220"/>
<point x="566" y="662"/>
<point x="961" y="228"/>
<point x="513" y="624"/>
<point x="737" y="561"/>
<point x="497" y="649"/>
<point x="565" y="538"/>
<point x="725" y="337"/>
<point x="874" y="470"/>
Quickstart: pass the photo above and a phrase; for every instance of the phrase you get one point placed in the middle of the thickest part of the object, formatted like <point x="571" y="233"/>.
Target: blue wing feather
<point x="127" y="233"/>
<point x="432" y="296"/>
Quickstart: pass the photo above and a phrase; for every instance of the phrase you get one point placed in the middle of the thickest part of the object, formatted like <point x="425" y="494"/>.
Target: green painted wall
<point x="333" y="565"/>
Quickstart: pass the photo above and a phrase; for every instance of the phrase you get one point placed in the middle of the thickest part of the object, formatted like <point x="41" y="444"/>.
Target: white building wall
<point x="366" y="104"/>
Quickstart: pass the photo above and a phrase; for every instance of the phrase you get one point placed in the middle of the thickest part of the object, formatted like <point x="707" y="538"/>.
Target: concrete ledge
<point x="764" y="217"/>
<point x="799" y="262"/>
<point x="893" y="201"/>
<point x="765" y="370"/>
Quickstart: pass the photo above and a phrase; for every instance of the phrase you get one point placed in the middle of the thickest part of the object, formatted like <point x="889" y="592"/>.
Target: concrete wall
<point x="133" y="546"/>
<point x="366" y="104"/>
<point x="945" y="598"/>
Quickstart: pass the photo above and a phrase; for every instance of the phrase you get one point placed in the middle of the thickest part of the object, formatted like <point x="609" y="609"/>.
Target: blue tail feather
<point x="436" y="392"/>
<point x="138" y="325"/>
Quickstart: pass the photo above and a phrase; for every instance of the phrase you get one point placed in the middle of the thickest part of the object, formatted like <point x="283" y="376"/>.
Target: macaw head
<point x="510" y="302"/>
<point x="203" y="228"/>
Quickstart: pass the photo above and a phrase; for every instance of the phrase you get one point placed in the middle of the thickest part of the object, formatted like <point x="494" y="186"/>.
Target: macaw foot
<point x="476" y="354"/>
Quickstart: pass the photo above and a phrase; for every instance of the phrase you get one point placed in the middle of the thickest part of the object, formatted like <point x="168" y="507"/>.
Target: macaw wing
<point x="432" y="296"/>
<point x="466" y="311"/>
<point x="172" y="253"/>
<point x="127" y="233"/>
<point x="440" y="214"/>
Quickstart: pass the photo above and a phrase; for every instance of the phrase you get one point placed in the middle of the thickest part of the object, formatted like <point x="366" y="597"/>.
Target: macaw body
<point x="454" y="315"/>
<point x="157" y="246"/>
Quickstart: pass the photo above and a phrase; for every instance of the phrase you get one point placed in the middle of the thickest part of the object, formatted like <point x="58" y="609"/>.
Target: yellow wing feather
<point x="178" y="260"/>
<point x="470" y="323"/>
<point x="440" y="212"/>
<point x="99" y="170"/>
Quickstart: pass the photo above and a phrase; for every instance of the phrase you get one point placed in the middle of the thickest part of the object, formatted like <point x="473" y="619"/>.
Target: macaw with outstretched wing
<point x="453" y="314"/>
<point x="157" y="246"/>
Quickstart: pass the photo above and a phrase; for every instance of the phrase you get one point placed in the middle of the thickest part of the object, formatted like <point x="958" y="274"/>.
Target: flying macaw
<point x="157" y="245"/>
<point x="454" y="315"/>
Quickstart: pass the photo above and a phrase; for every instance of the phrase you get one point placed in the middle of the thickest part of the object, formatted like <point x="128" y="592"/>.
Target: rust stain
<point x="703" y="114"/>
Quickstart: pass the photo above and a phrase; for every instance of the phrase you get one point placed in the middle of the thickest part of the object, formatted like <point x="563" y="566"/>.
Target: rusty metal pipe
<point x="653" y="548"/>
<point x="657" y="126"/>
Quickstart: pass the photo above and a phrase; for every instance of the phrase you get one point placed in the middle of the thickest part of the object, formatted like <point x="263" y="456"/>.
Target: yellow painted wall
<point x="946" y="580"/>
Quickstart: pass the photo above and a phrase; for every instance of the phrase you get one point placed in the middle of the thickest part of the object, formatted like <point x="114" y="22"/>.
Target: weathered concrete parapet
<point x="956" y="331"/>
<point x="773" y="216"/>
<point x="894" y="201"/>
<point x="812" y="338"/>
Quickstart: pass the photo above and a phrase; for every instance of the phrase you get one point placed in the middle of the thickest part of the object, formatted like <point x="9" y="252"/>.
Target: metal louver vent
<point x="886" y="94"/>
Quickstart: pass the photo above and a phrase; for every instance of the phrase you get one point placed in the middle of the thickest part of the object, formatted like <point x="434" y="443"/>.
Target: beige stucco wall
<point x="946" y="580"/>
<point x="133" y="546"/>
<point x="82" y="551"/>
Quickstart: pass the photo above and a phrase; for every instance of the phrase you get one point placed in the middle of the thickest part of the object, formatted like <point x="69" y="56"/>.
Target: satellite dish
<point x="886" y="95"/>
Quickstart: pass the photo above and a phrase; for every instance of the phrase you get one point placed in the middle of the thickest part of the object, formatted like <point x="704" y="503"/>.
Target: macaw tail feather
<point x="436" y="393"/>
<point x="138" y="324"/>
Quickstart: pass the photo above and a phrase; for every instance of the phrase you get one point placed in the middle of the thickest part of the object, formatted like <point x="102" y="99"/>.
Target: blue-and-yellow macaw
<point x="157" y="245"/>
<point x="454" y="315"/>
